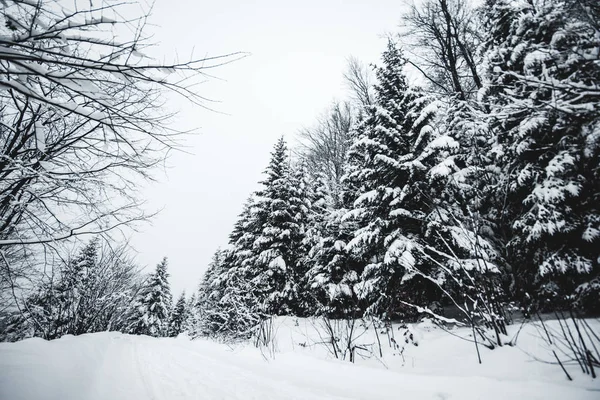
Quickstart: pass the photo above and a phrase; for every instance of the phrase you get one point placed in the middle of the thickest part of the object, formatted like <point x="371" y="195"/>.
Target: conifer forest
<point x="454" y="193"/>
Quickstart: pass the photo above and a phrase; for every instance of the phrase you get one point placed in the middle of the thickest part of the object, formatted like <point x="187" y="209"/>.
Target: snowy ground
<point x="117" y="366"/>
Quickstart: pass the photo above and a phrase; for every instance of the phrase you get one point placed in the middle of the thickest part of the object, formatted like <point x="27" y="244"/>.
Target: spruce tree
<point x="263" y="271"/>
<point x="389" y="161"/>
<point x="213" y="305"/>
<point x="179" y="317"/>
<point x="545" y="106"/>
<point x="278" y="212"/>
<point x="153" y="305"/>
<point x="192" y="323"/>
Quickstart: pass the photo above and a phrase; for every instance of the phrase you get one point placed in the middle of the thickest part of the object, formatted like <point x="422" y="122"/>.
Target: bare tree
<point x="358" y="77"/>
<point x="442" y="37"/>
<point x="81" y="117"/>
<point x="325" y="145"/>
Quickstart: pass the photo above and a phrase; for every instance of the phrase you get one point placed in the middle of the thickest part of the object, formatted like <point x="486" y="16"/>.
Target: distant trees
<point x="179" y="315"/>
<point x="82" y="120"/>
<point x="98" y="289"/>
<point x="324" y="146"/>
<point x="152" y="307"/>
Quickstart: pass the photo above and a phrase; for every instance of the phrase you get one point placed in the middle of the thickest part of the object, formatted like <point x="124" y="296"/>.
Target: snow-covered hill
<point x="117" y="366"/>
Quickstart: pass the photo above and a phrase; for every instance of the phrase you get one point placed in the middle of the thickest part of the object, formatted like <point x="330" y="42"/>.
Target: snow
<point x="444" y="142"/>
<point x="590" y="234"/>
<point x="444" y="168"/>
<point x="430" y="109"/>
<point x="535" y="58"/>
<point x="116" y="366"/>
<point x="277" y="263"/>
<point x="339" y="245"/>
<point x="40" y="137"/>
<point x="367" y="197"/>
<point x="529" y="125"/>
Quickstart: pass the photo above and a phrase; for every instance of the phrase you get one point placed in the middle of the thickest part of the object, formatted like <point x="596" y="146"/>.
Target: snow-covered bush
<point x="90" y="291"/>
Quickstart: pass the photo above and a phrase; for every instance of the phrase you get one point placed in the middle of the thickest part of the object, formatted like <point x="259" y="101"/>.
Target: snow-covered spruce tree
<point x="543" y="96"/>
<point x="153" y="305"/>
<point x="212" y="308"/>
<point x="387" y="169"/>
<point x="278" y="212"/>
<point x="236" y="301"/>
<point x="179" y="315"/>
<point x="463" y="223"/>
<point x="263" y="271"/>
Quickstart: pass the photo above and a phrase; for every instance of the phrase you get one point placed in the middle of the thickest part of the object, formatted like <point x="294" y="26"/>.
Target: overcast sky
<point x="298" y="53"/>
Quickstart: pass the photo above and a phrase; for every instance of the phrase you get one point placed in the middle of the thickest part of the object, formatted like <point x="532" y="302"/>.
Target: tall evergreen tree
<point x="388" y="170"/>
<point x="277" y="214"/>
<point x="192" y="323"/>
<point x="263" y="271"/>
<point x="216" y="306"/>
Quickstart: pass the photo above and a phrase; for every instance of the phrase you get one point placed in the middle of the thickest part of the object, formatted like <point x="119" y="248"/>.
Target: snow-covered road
<point x="114" y="366"/>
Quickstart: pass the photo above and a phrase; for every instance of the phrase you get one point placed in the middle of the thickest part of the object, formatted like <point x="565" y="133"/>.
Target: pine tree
<point x="545" y="107"/>
<point x="179" y="317"/>
<point x="231" y="299"/>
<point x="273" y="245"/>
<point x="263" y="271"/>
<point x="153" y="305"/>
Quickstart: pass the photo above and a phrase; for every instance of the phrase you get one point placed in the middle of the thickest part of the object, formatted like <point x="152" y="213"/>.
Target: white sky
<point x="298" y="55"/>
